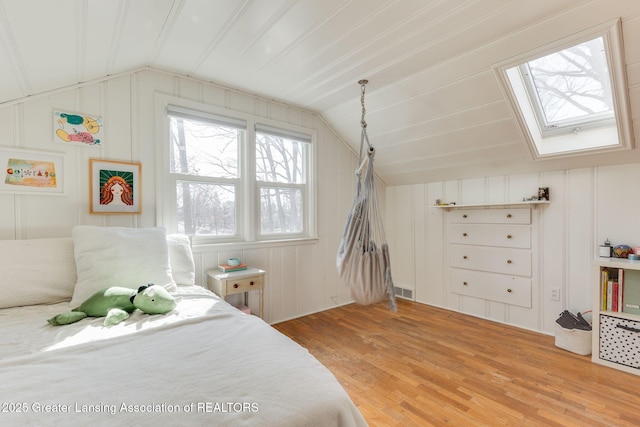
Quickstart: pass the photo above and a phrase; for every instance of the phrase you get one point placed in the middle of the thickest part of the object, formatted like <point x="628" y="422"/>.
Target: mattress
<point x="205" y="363"/>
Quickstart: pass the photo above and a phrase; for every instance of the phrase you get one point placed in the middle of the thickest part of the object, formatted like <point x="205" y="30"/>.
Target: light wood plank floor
<point x="426" y="366"/>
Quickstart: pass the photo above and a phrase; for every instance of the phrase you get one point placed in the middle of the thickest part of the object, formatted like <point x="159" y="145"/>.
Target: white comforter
<point x="205" y="363"/>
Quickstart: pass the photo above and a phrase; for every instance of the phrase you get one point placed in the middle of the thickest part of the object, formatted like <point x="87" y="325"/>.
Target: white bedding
<point x="205" y="363"/>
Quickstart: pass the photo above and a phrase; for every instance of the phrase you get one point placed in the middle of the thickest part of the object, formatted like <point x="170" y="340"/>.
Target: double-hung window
<point x="234" y="179"/>
<point x="204" y="162"/>
<point x="282" y="160"/>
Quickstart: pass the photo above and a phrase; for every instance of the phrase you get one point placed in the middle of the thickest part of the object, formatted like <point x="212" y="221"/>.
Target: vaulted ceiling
<point x="435" y="110"/>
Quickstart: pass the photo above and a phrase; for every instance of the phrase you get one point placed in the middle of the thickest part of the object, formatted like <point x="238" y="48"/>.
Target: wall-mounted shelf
<point x="531" y="203"/>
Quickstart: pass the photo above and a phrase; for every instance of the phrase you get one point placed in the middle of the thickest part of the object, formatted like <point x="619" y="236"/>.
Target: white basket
<point x="574" y="340"/>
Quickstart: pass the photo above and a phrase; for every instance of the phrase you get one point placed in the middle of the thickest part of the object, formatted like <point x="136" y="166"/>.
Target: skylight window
<point x="571" y="89"/>
<point x="571" y="97"/>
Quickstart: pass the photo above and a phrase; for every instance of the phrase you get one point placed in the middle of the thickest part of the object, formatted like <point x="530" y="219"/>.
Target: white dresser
<point x="490" y="254"/>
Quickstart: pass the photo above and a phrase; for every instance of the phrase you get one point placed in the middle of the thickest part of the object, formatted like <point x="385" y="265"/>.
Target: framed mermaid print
<point x="114" y="187"/>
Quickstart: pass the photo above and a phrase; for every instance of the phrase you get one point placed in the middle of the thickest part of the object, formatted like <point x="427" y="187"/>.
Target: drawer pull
<point x="251" y="283"/>
<point x="508" y="215"/>
<point x="509" y="290"/>
<point x="465" y="283"/>
<point x="464" y="234"/>
<point x="464" y="216"/>
<point x="464" y="257"/>
<point x="508" y="261"/>
<point x="235" y="286"/>
<point x="627" y="328"/>
<point x="509" y="236"/>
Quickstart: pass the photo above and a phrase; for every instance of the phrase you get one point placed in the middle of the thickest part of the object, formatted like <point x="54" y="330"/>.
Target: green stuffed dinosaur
<point x="116" y="303"/>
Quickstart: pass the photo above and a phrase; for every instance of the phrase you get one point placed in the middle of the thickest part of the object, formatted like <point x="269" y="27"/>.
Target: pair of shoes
<point x="569" y="320"/>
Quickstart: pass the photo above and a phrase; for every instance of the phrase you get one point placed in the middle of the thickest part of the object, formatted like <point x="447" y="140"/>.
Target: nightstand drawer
<point x="243" y="285"/>
<point x="238" y="282"/>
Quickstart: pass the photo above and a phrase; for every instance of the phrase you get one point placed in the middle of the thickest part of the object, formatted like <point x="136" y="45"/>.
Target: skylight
<point x="571" y="97"/>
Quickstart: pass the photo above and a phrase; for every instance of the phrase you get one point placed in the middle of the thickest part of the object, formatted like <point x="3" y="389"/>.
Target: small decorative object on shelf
<point x="605" y="249"/>
<point x="543" y="193"/>
<point x="622" y="251"/>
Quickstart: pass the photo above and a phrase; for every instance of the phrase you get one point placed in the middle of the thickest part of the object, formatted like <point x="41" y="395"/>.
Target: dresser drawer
<point x="243" y="285"/>
<point x="503" y="288"/>
<point x="508" y="236"/>
<point x="490" y="216"/>
<point x="498" y="260"/>
<point x="620" y="340"/>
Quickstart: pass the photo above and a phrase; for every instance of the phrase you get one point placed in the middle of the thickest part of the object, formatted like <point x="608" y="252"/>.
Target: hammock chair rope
<point x="363" y="256"/>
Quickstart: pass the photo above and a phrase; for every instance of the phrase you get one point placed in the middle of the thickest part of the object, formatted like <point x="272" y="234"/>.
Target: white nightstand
<point x="235" y="282"/>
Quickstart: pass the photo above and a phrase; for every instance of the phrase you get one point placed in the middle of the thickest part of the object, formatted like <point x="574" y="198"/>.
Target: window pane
<point x="280" y="210"/>
<point x="280" y="159"/>
<point x="203" y="149"/>
<point x="206" y="208"/>
<point x="573" y="83"/>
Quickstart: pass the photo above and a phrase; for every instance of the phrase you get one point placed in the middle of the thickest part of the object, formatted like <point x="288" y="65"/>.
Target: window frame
<point x="260" y="127"/>
<point x="175" y="177"/>
<point x="247" y="199"/>
<point x="565" y="126"/>
<point x="588" y="139"/>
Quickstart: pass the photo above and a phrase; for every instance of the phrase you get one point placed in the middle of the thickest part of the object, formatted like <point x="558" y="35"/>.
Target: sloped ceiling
<point x="435" y="110"/>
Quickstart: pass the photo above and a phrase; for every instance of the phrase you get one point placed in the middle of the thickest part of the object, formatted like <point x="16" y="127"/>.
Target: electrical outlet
<point x="555" y="294"/>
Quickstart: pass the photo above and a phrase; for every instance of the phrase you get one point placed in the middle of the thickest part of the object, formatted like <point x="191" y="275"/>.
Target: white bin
<point x="574" y="340"/>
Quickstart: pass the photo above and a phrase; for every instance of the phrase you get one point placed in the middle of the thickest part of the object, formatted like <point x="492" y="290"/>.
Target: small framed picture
<point x="77" y="129"/>
<point x="543" y="193"/>
<point x="28" y="172"/>
<point x="114" y="187"/>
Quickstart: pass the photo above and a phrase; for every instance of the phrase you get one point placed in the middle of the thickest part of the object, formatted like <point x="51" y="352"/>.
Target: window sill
<point x="214" y="247"/>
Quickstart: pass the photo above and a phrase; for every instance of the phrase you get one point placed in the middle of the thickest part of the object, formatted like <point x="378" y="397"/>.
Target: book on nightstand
<point x="226" y="268"/>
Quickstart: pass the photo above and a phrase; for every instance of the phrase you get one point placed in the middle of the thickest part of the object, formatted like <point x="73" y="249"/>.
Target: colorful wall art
<point x="80" y="129"/>
<point x="114" y="186"/>
<point x="28" y="172"/>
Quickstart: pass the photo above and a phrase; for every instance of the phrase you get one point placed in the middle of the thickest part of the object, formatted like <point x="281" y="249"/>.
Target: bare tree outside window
<point x="281" y="175"/>
<point x="205" y="155"/>
<point x="571" y="86"/>
<point x="229" y="188"/>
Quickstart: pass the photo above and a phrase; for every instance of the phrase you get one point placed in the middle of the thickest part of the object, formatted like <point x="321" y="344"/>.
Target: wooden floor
<point x="426" y="366"/>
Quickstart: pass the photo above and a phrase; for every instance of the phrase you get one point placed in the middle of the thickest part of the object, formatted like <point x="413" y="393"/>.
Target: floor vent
<point x="403" y="293"/>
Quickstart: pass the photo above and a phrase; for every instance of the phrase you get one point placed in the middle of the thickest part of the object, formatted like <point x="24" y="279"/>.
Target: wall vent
<point x="403" y="293"/>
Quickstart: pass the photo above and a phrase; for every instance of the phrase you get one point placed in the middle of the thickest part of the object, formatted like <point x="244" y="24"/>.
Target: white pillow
<point x="183" y="268"/>
<point x="119" y="256"/>
<point x="36" y="271"/>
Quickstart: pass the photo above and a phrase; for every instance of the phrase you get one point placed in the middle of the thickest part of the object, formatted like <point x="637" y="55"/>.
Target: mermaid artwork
<point x="116" y="191"/>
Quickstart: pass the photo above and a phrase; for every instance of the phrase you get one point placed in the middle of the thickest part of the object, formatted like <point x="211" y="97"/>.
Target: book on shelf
<point x="604" y="284"/>
<point x="612" y="290"/>
<point x="226" y="268"/>
<point x="631" y="292"/>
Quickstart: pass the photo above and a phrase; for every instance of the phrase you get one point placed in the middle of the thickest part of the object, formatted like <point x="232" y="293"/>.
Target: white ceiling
<point x="435" y="110"/>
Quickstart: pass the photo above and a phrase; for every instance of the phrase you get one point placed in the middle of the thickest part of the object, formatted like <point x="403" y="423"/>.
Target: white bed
<point x="204" y="363"/>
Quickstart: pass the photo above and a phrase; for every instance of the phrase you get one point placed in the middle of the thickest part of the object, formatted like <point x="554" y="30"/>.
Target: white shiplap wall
<point x="587" y="206"/>
<point x="301" y="277"/>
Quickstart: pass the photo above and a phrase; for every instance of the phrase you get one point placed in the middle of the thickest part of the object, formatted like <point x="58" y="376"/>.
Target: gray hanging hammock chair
<point x="363" y="256"/>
